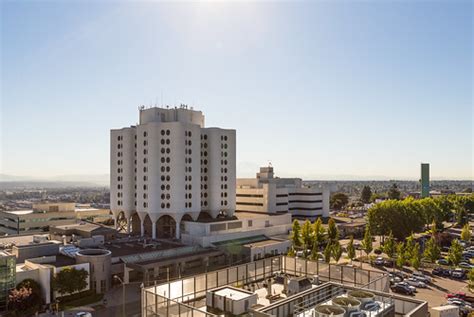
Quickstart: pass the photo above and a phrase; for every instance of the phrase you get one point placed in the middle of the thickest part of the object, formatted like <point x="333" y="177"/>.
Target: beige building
<point x="269" y="194"/>
<point x="170" y="168"/>
<point x="43" y="215"/>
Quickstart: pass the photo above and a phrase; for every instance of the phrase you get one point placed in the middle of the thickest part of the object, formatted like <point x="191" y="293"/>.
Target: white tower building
<point x="170" y="168"/>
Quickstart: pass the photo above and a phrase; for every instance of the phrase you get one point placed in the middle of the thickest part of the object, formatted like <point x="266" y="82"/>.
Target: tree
<point x="307" y="236"/>
<point x="291" y="252"/>
<point x="432" y="251"/>
<point x="393" y="192"/>
<point x="455" y="252"/>
<point x="410" y="245"/>
<point x="19" y="300"/>
<point x="296" y="234"/>
<point x="401" y="259"/>
<point x="70" y="280"/>
<point x="466" y="233"/>
<point x="366" y="195"/>
<point x="415" y="259"/>
<point x="367" y="242"/>
<point x="351" y="253"/>
<point x="314" y="252"/>
<point x="470" y="276"/>
<point x="336" y="251"/>
<point x="327" y="253"/>
<point x="389" y="247"/>
<point x="461" y="214"/>
<point x="338" y="201"/>
<point x="318" y="232"/>
<point x="333" y="233"/>
<point x="26" y="298"/>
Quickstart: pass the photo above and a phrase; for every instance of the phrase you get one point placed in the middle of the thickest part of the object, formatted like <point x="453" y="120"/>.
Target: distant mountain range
<point x="71" y="180"/>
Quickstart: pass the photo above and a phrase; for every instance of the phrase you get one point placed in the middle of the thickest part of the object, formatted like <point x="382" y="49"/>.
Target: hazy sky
<point x="320" y="89"/>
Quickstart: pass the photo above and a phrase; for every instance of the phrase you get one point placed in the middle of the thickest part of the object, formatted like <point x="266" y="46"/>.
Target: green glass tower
<point x="7" y="278"/>
<point x="425" y="180"/>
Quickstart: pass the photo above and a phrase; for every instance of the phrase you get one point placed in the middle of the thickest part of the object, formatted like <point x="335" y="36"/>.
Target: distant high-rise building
<point x="425" y="180"/>
<point x="170" y="168"/>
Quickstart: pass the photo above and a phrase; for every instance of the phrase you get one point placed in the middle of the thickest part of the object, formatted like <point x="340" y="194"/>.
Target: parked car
<point x="459" y="302"/>
<point x="398" y="288"/>
<point x="442" y="262"/>
<point x="421" y="277"/>
<point x="466" y="265"/>
<point x="379" y="261"/>
<point x="441" y="272"/>
<point x="460" y="295"/>
<point x="412" y="288"/>
<point x="396" y="277"/>
<point x="458" y="273"/>
<point x="414" y="282"/>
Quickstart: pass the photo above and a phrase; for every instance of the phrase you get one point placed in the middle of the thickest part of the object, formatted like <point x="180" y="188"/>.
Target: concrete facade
<point x="269" y="194"/>
<point x="100" y="262"/>
<point x="170" y="167"/>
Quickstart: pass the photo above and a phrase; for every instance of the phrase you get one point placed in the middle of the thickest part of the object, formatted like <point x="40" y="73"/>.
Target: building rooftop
<point x="234" y="293"/>
<point x="262" y="243"/>
<point x="136" y="246"/>
<point x="19" y="212"/>
<point x="83" y="226"/>
<point x="273" y="281"/>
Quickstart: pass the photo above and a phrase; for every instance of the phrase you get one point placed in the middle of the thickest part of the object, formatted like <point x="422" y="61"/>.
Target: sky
<point x="321" y="89"/>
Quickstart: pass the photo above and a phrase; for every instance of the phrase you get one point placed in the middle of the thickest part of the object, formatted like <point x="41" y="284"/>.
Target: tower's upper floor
<point x="177" y="114"/>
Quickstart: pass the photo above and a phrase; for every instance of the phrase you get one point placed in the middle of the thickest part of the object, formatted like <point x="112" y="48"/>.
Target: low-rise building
<point x="44" y="215"/>
<point x="269" y="194"/>
<point x="43" y="269"/>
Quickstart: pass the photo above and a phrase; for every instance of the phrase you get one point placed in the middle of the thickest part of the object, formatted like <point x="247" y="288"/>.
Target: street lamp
<point x="123" y="293"/>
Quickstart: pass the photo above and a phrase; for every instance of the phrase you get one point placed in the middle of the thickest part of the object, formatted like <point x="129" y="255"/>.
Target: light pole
<point x="123" y="293"/>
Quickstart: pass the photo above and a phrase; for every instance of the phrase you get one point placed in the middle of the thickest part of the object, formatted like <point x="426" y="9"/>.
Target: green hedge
<point x="79" y="299"/>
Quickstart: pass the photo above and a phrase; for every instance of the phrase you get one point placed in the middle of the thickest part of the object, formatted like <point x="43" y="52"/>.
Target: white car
<point x="414" y="282"/>
<point x="421" y="277"/>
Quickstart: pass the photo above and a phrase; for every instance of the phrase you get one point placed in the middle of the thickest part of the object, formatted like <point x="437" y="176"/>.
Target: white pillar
<point x="142" y="228"/>
<point x="153" y="230"/>
<point x="178" y="227"/>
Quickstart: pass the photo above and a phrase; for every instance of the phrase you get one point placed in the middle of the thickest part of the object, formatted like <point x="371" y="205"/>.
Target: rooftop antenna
<point x="161" y="98"/>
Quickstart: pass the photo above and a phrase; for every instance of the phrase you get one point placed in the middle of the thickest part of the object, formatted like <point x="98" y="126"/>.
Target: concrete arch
<point x="135" y="224"/>
<point x="186" y="217"/>
<point x="147" y="226"/>
<point x="204" y="215"/>
<point x="121" y="222"/>
<point x="166" y="227"/>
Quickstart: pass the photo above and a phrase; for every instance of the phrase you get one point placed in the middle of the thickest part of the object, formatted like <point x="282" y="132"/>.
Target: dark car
<point x="402" y="289"/>
<point x="441" y="272"/>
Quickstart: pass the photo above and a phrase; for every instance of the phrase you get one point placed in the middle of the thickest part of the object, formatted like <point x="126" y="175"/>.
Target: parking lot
<point x="435" y="294"/>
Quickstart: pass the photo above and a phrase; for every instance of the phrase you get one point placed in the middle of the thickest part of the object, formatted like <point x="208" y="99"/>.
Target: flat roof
<point x="19" y="212"/>
<point x="241" y="241"/>
<point x="233" y="293"/>
<point x="83" y="226"/>
<point x="263" y="243"/>
<point x="123" y="248"/>
<point x="254" y="215"/>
